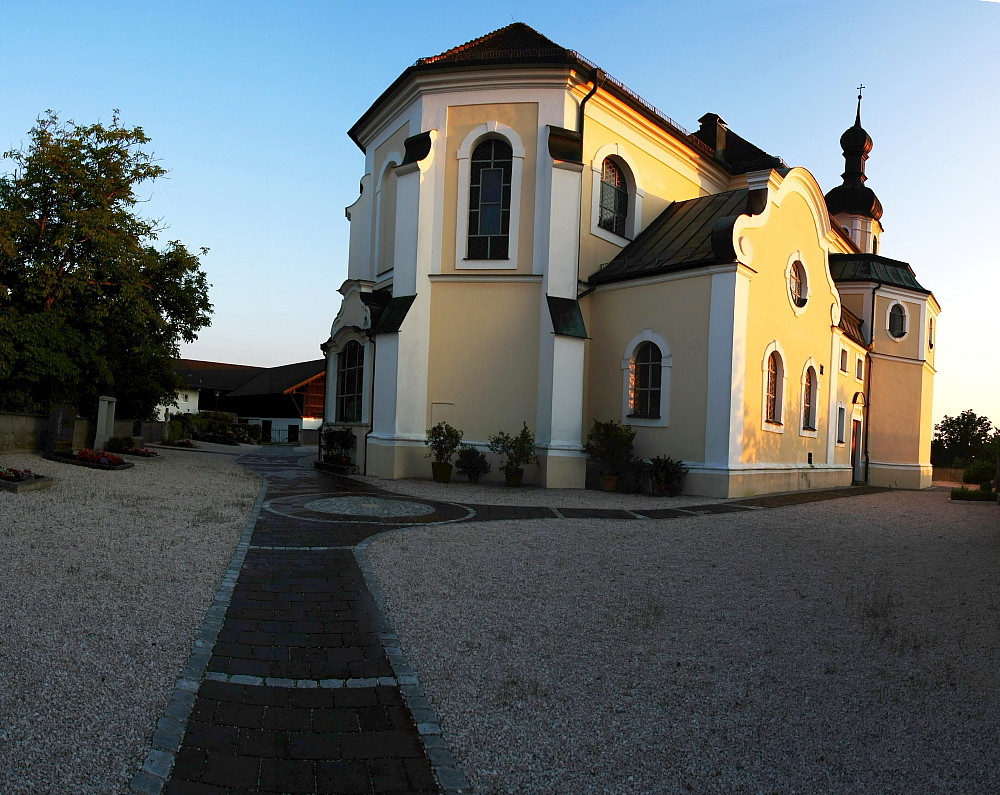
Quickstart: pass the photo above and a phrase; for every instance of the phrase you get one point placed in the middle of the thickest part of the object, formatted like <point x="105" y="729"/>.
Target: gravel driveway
<point x="104" y="579"/>
<point x="840" y="646"/>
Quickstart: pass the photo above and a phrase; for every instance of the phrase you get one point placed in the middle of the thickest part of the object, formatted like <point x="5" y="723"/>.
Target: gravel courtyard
<point x="840" y="646"/>
<point x="104" y="579"/>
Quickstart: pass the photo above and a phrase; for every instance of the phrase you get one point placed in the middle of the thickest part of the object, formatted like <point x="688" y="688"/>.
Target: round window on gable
<point x="797" y="284"/>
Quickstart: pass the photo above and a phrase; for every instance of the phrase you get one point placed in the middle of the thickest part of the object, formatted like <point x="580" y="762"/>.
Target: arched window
<point x="645" y="384"/>
<point x="930" y="332"/>
<point x="489" y="200"/>
<point x="350" y="380"/>
<point x="386" y="201"/>
<point x="614" y="199"/>
<point x="809" y="386"/>
<point x="897" y="321"/>
<point x="773" y="396"/>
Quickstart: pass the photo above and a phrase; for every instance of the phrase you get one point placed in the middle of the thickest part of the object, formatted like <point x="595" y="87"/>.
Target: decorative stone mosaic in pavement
<point x="368" y="508"/>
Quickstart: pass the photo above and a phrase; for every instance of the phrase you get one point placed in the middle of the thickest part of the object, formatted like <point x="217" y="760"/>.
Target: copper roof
<point x="679" y="238"/>
<point x="851" y="324"/>
<point x="874" y="268"/>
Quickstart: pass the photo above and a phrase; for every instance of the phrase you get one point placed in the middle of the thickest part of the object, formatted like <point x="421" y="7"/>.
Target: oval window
<point x="797" y="286"/>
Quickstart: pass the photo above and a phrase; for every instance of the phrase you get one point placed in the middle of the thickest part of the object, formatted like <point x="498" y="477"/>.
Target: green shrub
<point x="247" y="433"/>
<point x="668" y="474"/>
<point x="982" y="470"/>
<point x="444" y="441"/>
<point x="472" y="463"/>
<point x="118" y="444"/>
<point x="973" y="496"/>
<point x="337" y="442"/>
<point x="516" y="451"/>
<point x="610" y="444"/>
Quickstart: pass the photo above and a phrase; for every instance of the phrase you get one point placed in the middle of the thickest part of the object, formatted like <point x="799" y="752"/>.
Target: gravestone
<point x="59" y="433"/>
<point x="105" y="421"/>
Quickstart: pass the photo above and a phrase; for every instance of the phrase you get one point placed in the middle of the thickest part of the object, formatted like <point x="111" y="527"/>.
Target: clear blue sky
<point x="248" y="104"/>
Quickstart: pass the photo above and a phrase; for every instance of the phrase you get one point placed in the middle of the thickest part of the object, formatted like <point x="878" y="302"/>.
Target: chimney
<point x="713" y="132"/>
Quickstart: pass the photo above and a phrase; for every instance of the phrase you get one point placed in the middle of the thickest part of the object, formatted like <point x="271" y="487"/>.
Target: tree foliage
<point x="963" y="438"/>
<point x="88" y="304"/>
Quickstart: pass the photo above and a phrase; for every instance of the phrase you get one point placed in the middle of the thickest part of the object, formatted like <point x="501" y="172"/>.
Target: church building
<point x="535" y="243"/>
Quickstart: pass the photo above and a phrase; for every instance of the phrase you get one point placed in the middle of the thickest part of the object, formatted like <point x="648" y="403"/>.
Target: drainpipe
<point x="597" y="78"/>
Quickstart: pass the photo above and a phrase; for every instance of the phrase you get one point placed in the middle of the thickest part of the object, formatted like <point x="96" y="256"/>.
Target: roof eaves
<point x="304" y="383"/>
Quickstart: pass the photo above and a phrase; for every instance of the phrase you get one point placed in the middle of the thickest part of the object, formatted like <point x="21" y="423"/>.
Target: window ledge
<point x="643" y="416"/>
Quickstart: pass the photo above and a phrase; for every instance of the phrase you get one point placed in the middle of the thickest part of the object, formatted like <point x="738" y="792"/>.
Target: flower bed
<point x="18" y="480"/>
<point x="93" y="459"/>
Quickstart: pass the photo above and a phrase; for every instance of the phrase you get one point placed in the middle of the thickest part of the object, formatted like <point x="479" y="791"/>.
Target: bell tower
<point x="853" y="204"/>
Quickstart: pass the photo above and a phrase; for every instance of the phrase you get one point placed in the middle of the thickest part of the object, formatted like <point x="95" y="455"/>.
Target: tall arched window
<point x="644" y="389"/>
<point x="492" y="165"/>
<point x="350" y="380"/>
<point x="614" y="199"/>
<point x="386" y="201"/>
<point x="775" y="376"/>
<point x="809" y="400"/>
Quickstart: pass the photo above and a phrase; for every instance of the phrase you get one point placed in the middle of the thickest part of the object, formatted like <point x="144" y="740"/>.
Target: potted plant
<point x="667" y="475"/>
<point x="610" y="444"/>
<point x="444" y="442"/>
<point x="516" y="452"/>
<point x="472" y="463"/>
<point x="338" y="441"/>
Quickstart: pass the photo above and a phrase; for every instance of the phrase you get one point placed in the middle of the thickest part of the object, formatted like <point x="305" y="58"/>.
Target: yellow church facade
<point x="534" y="243"/>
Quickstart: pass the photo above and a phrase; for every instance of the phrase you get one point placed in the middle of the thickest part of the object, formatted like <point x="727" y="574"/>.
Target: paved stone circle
<point x="368" y="505"/>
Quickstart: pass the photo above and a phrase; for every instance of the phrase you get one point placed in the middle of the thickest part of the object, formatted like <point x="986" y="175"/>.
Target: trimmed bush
<point x="973" y="496"/>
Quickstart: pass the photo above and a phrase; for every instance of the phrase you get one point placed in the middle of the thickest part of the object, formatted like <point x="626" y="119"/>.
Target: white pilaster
<point x="561" y="358"/>
<point x="726" y="368"/>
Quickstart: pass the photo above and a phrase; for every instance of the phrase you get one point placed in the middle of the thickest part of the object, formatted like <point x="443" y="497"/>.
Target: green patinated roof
<point x="874" y="268"/>
<point x="851" y="324"/>
<point x="678" y="239"/>
<point x="567" y="319"/>
<point x="394" y="314"/>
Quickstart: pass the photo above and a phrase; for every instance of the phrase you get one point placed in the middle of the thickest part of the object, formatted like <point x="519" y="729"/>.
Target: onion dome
<point x="853" y="196"/>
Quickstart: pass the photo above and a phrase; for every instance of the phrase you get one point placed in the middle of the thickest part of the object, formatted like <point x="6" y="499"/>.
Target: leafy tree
<point x="964" y="437"/>
<point x="88" y="304"/>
